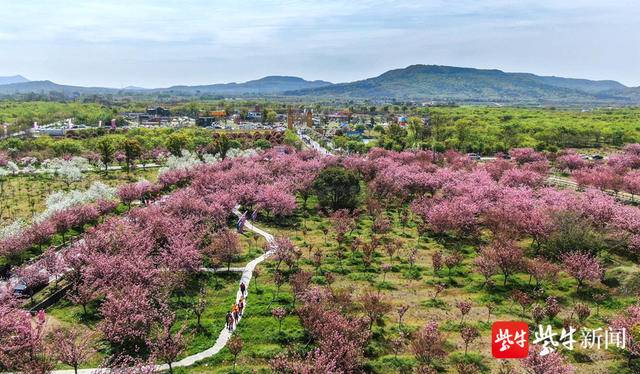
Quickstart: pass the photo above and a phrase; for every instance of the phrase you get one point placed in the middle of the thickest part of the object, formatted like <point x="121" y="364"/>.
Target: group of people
<point x="233" y="316"/>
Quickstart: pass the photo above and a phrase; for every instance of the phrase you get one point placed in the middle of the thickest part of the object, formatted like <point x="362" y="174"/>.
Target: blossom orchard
<point x="134" y="262"/>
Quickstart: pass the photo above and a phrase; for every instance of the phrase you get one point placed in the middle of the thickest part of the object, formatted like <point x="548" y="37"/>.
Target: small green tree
<point x="290" y="138"/>
<point x="262" y="144"/>
<point x="132" y="150"/>
<point x="271" y="116"/>
<point x="177" y="142"/>
<point x="106" y="151"/>
<point x="337" y="188"/>
<point x="221" y="146"/>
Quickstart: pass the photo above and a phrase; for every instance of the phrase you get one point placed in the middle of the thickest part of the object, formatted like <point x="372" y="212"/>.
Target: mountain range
<point x="13" y="79"/>
<point x="415" y="82"/>
<point x="447" y="83"/>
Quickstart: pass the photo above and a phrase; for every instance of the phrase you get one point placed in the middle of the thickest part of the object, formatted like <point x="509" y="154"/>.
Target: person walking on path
<point x="241" y="305"/>
<point x="230" y="321"/>
<point x="243" y="288"/>
<point x="241" y="221"/>
<point x="236" y="312"/>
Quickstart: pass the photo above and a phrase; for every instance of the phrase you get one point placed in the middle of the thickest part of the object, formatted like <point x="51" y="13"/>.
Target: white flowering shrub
<point x="235" y="152"/>
<point x="12" y="167"/>
<point x="70" y="170"/>
<point x="14" y="229"/>
<point x="60" y="200"/>
<point x="210" y="159"/>
<point x="189" y="160"/>
<point x="74" y="162"/>
<point x="186" y="161"/>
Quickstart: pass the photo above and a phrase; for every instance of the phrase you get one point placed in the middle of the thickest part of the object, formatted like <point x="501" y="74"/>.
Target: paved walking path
<point x="225" y="334"/>
<point x="222" y="270"/>
<point x="621" y="196"/>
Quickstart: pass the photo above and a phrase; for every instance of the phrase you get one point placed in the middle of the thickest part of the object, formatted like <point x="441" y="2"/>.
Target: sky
<point x="158" y="43"/>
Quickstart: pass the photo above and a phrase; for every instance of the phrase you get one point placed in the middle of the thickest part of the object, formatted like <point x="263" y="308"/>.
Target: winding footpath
<point x="225" y="334"/>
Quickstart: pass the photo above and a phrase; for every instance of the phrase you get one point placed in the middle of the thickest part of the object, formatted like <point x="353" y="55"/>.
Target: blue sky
<point x="156" y="43"/>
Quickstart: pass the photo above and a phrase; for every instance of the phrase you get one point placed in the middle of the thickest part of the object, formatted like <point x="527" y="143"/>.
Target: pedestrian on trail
<point x="241" y="305"/>
<point x="243" y="288"/>
<point x="236" y="312"/>
<point x="241" y="221"/>
<point x="230" y="321"/>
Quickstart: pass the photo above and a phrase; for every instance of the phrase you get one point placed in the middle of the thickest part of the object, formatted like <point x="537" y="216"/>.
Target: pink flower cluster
<point x="58" y="223"/>
<point x="621" y="172"/>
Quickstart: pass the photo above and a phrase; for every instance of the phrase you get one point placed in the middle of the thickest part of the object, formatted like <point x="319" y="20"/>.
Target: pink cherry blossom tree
<point x="468" y="335"/>
<point x="632" y="183"/>
<point x="21" y="340"/>
<point x="521" y="178"/>
<point x="128" y="316"/>
<point x="464" y="307"/>
<point x="525" y="155"/>
<point x="375" y="306"/>
<point x="33" y="276"/>
<point x="167" y="345"/>
<point x="629" y="320"/>
<point x="552" y="363"/>
<point x="225" y="246"/>
<point x="503" y="255"/>
<point x="275" y="200"/>
<point x="73" y="347"/>
<point x="583" y="267"/>
<point x="570" y="161"/>
<point x="284" y="251"/>
<point x="428" y="344"/>
<point x="279" y="313"/>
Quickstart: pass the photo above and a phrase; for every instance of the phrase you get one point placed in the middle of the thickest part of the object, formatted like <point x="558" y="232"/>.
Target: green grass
<point x="25" y="195"/>
<point x="404" y="284"/>
<point x="220" y="294"/>
<point x="414" y="285"/>
<point x="259" y="331"/>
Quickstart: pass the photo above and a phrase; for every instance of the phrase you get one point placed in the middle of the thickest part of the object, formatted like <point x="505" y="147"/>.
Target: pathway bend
<point x="225" y="334"/>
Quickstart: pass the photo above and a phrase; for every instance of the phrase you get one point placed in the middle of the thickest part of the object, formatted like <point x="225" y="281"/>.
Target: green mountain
<point x="266" y="85"/>
<point x="446" y="83"/>
<point x="46" y="87"/>
<point x="416" y="82"/>
<point x="585" y="85"/>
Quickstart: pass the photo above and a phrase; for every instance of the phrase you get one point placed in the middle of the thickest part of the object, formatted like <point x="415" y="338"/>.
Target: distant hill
<point x="447" y="83"/>
<point x="45" y="87"/>
<point x="577" y="84"/>
<point x="416" y="82"/>
<point x="13" y="79"/>
<point x="266" y="85"/>
<point x="134" y="88"/>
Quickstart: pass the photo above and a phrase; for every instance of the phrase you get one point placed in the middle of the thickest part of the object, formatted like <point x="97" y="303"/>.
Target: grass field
<point x="405" y="278"/>
<point x="25" y="195"/>
<point x="413" y="285"/>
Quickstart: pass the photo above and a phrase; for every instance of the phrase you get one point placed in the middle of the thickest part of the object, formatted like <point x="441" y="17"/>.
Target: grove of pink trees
<point x="22" y="340"/>
<point x="340" y="337"/>
<point x="507" y="197"/>
<point x="619" y="173"/>
<point x="133" y="263"/>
